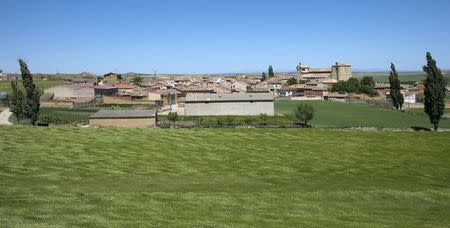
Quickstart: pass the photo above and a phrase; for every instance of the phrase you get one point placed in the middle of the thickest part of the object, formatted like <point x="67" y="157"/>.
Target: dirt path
<point x="4" y="116"/>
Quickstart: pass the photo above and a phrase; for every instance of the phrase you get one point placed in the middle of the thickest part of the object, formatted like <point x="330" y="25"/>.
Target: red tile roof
<point x="125" y="86"/>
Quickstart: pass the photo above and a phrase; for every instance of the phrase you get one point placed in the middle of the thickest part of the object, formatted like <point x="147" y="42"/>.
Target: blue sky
<point x="200" y="36"/>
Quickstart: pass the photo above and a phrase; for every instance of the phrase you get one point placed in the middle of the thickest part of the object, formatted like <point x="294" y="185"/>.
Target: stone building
<point x="124" y="118"/>
<point x="337" y="72"/>
<point x="235" y="104"/>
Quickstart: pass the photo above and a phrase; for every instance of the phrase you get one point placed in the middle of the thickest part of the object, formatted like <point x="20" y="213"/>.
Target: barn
<point x="124" y="118"/>
<point x="234" y="104"/>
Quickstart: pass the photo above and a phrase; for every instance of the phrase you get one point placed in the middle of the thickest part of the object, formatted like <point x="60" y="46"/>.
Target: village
<point x="231" y="95"/>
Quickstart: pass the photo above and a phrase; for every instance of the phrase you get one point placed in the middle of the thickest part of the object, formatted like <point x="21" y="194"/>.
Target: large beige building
<point x="235" y="104"/>
<point x="337" y="72"/>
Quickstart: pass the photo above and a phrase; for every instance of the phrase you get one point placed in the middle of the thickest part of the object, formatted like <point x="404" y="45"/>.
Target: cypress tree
<point x="264" y="76"/>
<point x="32" y="102"/>
<point x="17" y="100"/>
<point x="271" y="74"/>
<point x="395" y="88"/>
<point x="434" y="92"/>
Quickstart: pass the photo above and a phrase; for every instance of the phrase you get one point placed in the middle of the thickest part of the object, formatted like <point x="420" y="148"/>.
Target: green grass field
<point x="223" y="178"/>
<point x="421" y="111"/>
<point x="404" y="76"/>
<point x="5" y="86"/>
<point x="343" y="115"/>
<point x="65" y="115"/>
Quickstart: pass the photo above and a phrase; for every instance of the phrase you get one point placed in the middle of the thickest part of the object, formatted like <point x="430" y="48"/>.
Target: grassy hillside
<point x="223" y="177"/>
<point x="342" y="115"/>
<point x="5" y="86"/>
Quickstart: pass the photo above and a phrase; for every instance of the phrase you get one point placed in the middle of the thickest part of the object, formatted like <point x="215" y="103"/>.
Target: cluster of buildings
<point x="202" y="96"/>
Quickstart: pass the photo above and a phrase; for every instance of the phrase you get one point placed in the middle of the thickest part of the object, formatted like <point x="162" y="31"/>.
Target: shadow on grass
<point x="415" y="128"/>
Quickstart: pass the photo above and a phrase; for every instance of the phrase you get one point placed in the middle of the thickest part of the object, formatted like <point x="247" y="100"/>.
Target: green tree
<point x="32" y="95"/>
<point x="367" y="81"/>
<point x="138" y="80"/>
<point x="291" y="81"/>
<point x="350" y="86"/>
<point x="173" y="117"/>
<point x="434" y="92"/>
<point x="271" y="74"/>
<point x="264" y="76"/>
<point x="395" y="88"/>
<point x="304" y="113"/>
<point x="353" y="85"/>
<point x="17" y="100"/>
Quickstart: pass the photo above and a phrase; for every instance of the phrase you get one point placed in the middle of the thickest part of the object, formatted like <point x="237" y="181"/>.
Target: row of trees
<point x="353" y="85"/>
<point x="28" y="104"/>
<point x="434" y="94"/>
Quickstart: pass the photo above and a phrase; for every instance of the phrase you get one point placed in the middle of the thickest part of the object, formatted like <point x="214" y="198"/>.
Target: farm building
<point x="125" y="88"/>
<point x="67" y="95"/>
<point x="124" y="118"/>
<point x="112" y="78"/>
<point x="238" y="104"/>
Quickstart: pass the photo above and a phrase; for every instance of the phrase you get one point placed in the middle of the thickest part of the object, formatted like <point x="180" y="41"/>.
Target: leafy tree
<point x="173" y="117"/>
<point x="17" y="100"/>
<point x="369" y="90"/>
<point x="304" y="113"/>
<point x="1" y="71"/>
<point x="137" y="80"/>
<point x="434" y="92"/>
<point x="32" y="102"/>
<point x="367" y="81"/>
<point x="340" y="87"/>
<point x="264" y="76"/>
<point x="350" y="86"/>
<point x="291" y="81"/>
<point x="271" y="74"/>
<point x="395" y="88"/>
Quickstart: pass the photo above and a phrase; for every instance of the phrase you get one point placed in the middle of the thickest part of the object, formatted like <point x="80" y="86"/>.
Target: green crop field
<point x="343" y="115"/>
<point x="52" y="177"/>
<point x="65" y="115"/>
<point x="404" y="76"/>
<point x="5" y="86"/>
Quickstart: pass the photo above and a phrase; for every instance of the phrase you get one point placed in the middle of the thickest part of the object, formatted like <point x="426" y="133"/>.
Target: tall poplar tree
<point x="395" y="88"/>
<point x="434" y="91"/>
<point x="17" y="100"/>
<point x="271" y="74"/>
<point x="32" y="102"/>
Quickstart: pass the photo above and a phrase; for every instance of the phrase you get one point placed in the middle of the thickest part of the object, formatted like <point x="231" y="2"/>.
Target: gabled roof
<point x="125" y="86"/>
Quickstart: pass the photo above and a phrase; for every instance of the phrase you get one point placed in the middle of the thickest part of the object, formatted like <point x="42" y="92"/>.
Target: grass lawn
<point x="342" y="115"/>
<point x="223" y="177"/>
<point x="5" y="86"/>
<point x="421" y="111"/>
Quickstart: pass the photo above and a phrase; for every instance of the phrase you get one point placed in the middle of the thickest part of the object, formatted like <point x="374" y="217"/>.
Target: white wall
<point x="229" y="108"/>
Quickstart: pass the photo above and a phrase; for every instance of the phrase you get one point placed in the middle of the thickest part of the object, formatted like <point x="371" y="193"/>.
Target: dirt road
<point x="4" y="116"/>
